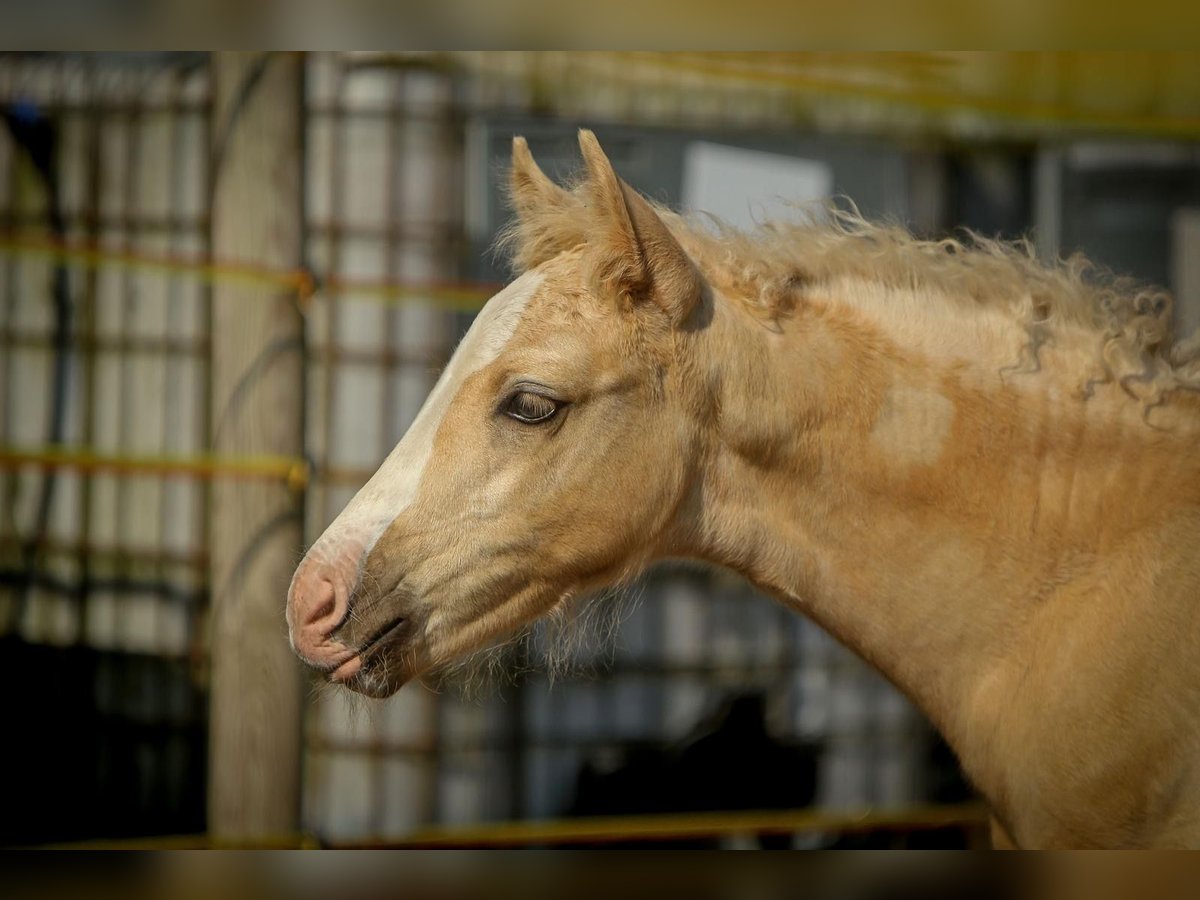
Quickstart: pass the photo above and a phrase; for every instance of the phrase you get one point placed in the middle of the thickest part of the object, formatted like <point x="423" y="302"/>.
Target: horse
<point x="977" y="471"/>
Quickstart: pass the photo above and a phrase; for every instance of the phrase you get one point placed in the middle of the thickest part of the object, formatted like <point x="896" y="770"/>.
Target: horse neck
<point x="909" y="506"/>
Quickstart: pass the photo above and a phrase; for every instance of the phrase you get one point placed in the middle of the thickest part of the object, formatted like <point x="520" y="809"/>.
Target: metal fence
<point x="103" y="572"/>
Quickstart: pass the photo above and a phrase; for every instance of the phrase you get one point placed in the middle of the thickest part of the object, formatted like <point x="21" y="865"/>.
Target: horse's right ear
<point x="544" y="226"/>
<point x="634" y="253"/>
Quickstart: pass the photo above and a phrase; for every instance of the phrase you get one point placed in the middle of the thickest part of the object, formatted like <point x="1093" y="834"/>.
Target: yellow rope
<point x="692" y="825"/>
<point x="294" y="472"/>
<point x="466" y="297"/>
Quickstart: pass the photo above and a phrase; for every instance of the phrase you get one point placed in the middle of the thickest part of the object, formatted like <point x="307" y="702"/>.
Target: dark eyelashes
<point x="530" y="408"/>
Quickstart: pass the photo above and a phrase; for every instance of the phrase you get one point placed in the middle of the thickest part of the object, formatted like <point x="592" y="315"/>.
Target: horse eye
<point x="530" y="408"/>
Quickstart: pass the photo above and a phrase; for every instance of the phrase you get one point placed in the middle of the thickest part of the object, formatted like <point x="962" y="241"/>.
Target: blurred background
<point x="227" y="282"/>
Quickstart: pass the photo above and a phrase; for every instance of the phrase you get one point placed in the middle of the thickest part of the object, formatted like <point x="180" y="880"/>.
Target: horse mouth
<point x="388" y="634"/>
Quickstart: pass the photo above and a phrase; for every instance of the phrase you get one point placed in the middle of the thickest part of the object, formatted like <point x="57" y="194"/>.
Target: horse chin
<point x="384" y="663"/>
<point x="377" y="674"/>
<point x="375" y="682"/>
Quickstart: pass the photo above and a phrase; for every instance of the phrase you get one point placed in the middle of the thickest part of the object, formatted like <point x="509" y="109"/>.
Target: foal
<point x="979" y="473"/>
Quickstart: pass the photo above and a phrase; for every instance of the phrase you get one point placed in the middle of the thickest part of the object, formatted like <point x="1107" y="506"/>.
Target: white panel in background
<point x="461" y="791"/>
<point x="145" y="402"/>
<point x="148" y="293"/>
<point x="364" y="176"/>
<point x="152" y="178"/>
<point x="32" y="371"/>
<point x="137" y="622"/>
<point x="73" y="164"/>
<point x="410" y="718"/>
<point x="582" y="717"/>
<point x="687" y="700"/>
<point x="850" y="698"/>
<point x="428" y="175"/>
<point x="49" y="618"/>
<point x="539" y="707"/>
<point x="732" y="631"/>
<point x="181" y="496"/>
<point x="357" y="400"/>
<point x="104" y="530"/>
<point x="844" y="775"/>
<point x="360" y="323"/>
<point x="66" y="506"/>
<point x="33" y="310"/>
<point x="685" y="611"/>
<point x="341" y="716"/>
<point x="190" y="166"/>
<point x="411" y="384"/>
<point x="370" y="89"/>
<point x="811" y="713"/>
<point x="350" y="795"/>
<point x="100" y="624"/>
<point x="540" y="787"/>
<point x="636" y="639"/>
<point x="772" y="633"/>
<point x="110" y="296"/>
<point x="746" y="187"/>
<point x="636" y="704"/>
<point x="419" y="323"/>
<point x="550" y="779"/>
<point x="114" y="165"/>
<point x="319" y="152"/>
<point x="173" y="627"/>
<point x="407" y="790"/>
<point x="321" y="79"/>
<point x="460" y="723"/>
<point x="897" y="777"/>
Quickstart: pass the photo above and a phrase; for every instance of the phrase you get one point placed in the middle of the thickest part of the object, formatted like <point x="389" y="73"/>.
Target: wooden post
<point x="257" y="405"/>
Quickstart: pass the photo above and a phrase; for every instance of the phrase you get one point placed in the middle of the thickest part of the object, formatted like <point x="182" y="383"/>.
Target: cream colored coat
<point x="980" y="474"/>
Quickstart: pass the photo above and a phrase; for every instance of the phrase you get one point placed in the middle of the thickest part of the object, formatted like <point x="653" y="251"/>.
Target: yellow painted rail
<point x="969" y="817"/>
<point x="203" y="466"/>
<point x="602" y="829"/>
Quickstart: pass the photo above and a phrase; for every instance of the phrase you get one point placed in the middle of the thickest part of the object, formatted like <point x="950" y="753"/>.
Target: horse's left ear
<point x="632" y="252"/>
<point x="548" y="220"/>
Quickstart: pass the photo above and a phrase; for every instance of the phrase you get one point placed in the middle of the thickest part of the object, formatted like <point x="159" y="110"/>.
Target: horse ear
<point x="633" y="253"/>
<point x="544" y="227"/>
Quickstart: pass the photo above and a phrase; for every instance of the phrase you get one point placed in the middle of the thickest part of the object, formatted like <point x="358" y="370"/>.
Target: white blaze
<point x="392" y="488"/>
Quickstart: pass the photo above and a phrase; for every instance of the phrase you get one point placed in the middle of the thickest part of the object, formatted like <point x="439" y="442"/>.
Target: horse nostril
<point x="320" y="605"/>
<point x="319" y="600"/>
